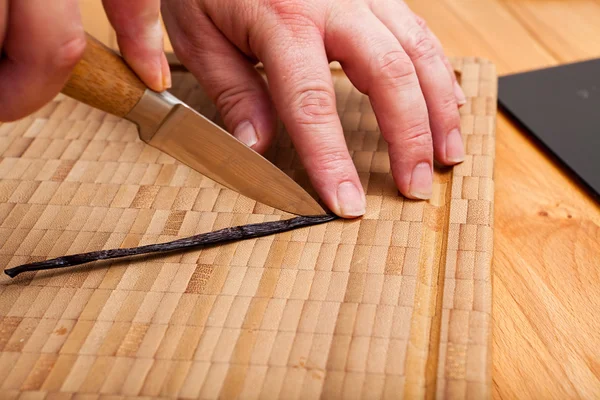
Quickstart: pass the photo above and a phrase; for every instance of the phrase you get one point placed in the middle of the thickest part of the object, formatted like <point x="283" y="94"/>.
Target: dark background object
<point x="560" y="108"/>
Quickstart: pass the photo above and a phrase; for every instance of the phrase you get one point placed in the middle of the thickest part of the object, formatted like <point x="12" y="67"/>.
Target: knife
<point x="104" y="81"/>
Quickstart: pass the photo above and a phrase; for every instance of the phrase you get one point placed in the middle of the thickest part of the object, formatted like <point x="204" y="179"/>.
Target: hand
<point x="41" y="42"/>
<point x="387" y="52"/>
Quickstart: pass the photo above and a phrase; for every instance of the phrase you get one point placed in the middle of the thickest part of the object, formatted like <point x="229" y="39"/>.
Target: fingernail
<point x="167" y="81"/>
<point x="455" y="149"/>
<point x="459" y="94"/>
<point x="166" y="72"/>
<point x="246" y="133"/>
<point x="350" y="200"/>
<point x="421" y="182"/>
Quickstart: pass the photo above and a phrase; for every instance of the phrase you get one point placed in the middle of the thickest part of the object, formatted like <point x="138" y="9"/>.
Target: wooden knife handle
<point x="103" y="80"/>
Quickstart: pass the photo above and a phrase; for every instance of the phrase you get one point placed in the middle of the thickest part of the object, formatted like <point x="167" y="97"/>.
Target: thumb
<point x="228" y="78"/>
<point x="140" y="39"/>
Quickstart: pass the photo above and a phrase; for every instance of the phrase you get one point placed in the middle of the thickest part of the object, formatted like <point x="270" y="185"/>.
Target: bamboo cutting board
<point x="396" y="304"/>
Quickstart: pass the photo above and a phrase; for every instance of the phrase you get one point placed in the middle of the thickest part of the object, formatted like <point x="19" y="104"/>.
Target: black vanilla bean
<point x="205" y="239"/>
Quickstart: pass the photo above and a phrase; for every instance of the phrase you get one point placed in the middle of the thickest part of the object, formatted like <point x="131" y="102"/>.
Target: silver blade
<point x="202" y="145"/>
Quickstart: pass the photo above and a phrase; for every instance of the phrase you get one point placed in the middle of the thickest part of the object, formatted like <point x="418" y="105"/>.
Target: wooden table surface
<point x="547" y="230"/>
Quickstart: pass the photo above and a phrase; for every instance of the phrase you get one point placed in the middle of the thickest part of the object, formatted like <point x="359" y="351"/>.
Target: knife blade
<point x="103" y="80"/>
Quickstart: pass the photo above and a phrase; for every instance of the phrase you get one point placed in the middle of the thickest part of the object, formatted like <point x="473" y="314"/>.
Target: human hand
<point x="385" y="49"/>
<point x="41" y="41"/>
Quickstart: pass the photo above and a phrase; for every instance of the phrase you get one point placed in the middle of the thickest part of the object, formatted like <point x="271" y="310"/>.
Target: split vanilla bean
<point x="225" y="235"/>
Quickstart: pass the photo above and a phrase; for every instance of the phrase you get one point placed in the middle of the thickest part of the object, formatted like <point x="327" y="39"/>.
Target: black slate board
<point x="560" y="108"/>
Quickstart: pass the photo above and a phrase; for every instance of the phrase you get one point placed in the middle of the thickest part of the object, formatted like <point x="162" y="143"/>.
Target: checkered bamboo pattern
<point x="394" y="305"/>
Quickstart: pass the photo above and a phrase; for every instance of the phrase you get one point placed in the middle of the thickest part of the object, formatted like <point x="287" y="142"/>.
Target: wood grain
<point x="546" y="242"/>
<point x="394" y="304"/>
<point x="535" y="201"/>
<point x="104" y="81"/>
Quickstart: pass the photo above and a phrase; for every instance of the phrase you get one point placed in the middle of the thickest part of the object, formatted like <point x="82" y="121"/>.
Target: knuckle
<point x="229" y="98"/>
<point x="70" y="51"/>
<point x="421" y="22"/>
<point x="448" y="107"/>
<point x="314" y="106"/>
<point x="420" y="45"/>
<point x="288" y="10"/>
<point x="417" y="135"/>
<point x="330" y="161"/>
<point x="395" y="68"/>
<point x="294" y="18"/>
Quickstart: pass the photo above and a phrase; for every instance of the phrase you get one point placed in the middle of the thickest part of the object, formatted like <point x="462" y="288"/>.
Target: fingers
<point x="43" y="42"/>
<point x="376" y="63"/>
<point x="229" y="79"/>
<point x="140" y="39"/>
<point x="300" y="80"/>
<point x="458" y="92"/>
<point x="435" y="80"/>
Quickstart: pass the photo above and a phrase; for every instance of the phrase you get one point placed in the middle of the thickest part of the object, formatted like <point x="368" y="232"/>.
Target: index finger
<point x="140" y="38"/>
<point x="303" y="93"/>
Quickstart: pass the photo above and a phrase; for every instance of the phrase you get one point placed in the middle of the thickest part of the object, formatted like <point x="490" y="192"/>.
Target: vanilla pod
<point x="225" y="235"/>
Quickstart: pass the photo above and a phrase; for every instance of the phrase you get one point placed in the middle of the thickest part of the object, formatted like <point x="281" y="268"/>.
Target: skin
<point x="387" y="52"/>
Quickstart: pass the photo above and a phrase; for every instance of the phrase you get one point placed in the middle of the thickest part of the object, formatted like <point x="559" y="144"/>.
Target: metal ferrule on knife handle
<point x="149" y="113"/>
